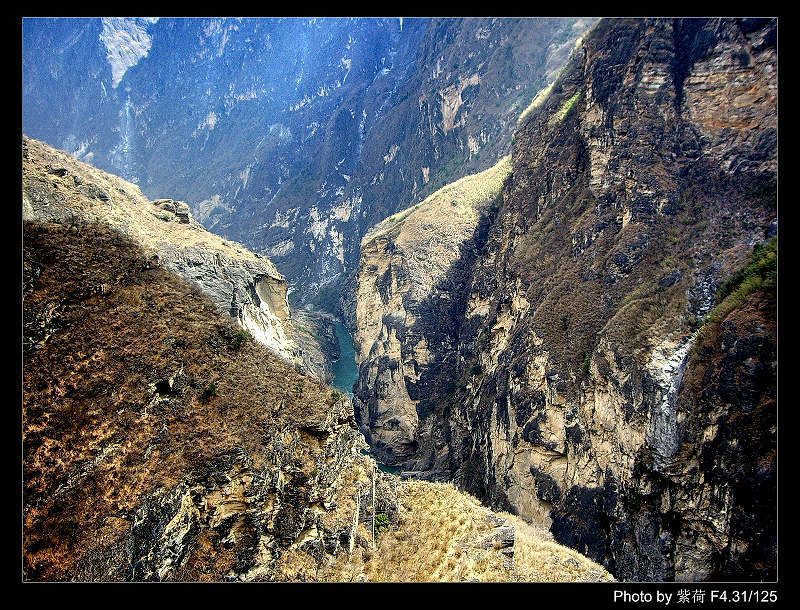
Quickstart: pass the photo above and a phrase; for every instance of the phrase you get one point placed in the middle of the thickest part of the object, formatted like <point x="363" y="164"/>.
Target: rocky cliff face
<point x="291" y="136"/>
<point x="409" y="296"/>
<point x="245" y="286"/>
<point x="156" y="446"/>
<point x="569" y="374"/>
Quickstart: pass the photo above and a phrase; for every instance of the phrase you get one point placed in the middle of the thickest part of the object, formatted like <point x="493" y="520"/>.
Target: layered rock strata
<point x="572" y="377"/>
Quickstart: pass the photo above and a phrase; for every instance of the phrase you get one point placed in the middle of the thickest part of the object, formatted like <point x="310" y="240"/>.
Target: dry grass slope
<point x="118" y="357"/>
<point x="448" y="204"/>
<point x="439" y="537"/>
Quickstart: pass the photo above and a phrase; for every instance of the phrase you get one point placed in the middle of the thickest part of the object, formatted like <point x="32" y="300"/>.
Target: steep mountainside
<point x="157" y="445"/>
<point x="409" y="293"/>
<point x="243" y="285"/>
<point x="292" y="136"/>
<point x="598" y="347"/>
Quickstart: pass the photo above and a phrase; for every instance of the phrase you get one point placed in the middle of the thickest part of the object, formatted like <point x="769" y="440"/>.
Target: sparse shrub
<point x="763" y="264"/>
<point x="209" y="393"/>
<point x="468" y="192"/>
<point x="239" y="338"/>
<point x="586" y="364"/>
<point x="382" y="523"/>
<point x="760" y="273"/>
<point x="537" y="101"/>
<point x="335" y="396"/>
<point x="299" y="386"/>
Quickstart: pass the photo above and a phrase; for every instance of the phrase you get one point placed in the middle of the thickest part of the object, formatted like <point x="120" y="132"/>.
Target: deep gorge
<point x="530" y="260"/>
<point x="345" y="371"/>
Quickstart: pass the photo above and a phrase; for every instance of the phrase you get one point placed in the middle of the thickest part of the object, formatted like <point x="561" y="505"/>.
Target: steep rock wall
<point x="408" y="299"/>
<point x="639" y="186"/>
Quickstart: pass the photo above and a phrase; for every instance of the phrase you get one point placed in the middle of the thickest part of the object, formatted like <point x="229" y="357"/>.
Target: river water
<point x="345" y="371"/>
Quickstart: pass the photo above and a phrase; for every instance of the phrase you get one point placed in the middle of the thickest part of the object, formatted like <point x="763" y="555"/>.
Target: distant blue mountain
<point x="293" y="136"/>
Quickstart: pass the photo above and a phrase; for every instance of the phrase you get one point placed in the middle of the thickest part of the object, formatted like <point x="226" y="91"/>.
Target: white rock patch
<point x="126" y="41"/>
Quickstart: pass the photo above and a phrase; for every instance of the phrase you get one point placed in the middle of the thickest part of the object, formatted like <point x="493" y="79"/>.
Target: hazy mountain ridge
<point x="292" y="136"/>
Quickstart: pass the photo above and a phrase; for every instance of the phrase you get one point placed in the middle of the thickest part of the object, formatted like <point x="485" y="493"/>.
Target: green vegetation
<point x="565" y="109"/>
<point x="299" y="385"/>
<point x="586" y="364"/>
<point x="335" y="396"/>
<point x="209" y="393"/>
<point x="239" y="338"/>
<point x="382" y="523"/>
<point x="761" y="273"/>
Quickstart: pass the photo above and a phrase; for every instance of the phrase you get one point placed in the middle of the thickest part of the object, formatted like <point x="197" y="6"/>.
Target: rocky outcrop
<point x="245" y="286"/>
<point x="572" y="393"/>
<point x="408" y="300"/>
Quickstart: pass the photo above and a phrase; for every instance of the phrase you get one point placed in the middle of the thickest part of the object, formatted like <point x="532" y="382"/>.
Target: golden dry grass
<point x="438" y="536"/>
<point x="457" y="199"/>
<point x="103" y="326"/>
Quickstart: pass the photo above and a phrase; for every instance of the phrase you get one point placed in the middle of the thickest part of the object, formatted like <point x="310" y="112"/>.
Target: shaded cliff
<point x="410" y="293"/>
<point x="572" y="387"/>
